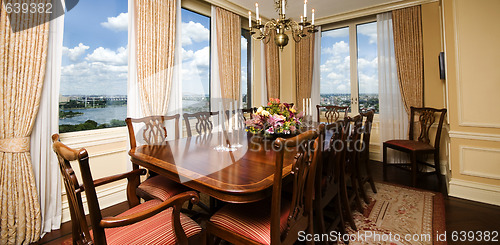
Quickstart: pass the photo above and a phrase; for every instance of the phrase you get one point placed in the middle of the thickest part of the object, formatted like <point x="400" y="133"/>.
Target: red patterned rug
<point x="400" y="215"/>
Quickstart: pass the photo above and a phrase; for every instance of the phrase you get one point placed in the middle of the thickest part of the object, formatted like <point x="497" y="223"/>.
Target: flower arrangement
<point x="275" y="118"/>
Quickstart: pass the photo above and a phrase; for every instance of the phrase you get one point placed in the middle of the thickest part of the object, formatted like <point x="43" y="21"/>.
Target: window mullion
<point x="353" y="58"/>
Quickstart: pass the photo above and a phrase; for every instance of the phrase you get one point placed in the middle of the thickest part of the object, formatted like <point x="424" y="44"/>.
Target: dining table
<point x="236" y="167"/>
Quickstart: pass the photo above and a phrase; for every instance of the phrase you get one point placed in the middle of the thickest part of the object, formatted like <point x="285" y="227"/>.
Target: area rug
<point x="400" y="215"/>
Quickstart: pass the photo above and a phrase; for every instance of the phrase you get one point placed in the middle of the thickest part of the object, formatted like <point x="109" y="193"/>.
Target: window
<point x="93" y="90"/>
<point x="346" y="81"/>
<point x="195" y="31"/>
<point x="246" y="69"/>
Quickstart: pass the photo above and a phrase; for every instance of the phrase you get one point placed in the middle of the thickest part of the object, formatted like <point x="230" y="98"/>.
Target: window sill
<point x="94" y="137"/>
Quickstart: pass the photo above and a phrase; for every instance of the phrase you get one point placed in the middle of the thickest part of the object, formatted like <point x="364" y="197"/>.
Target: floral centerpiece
<point x="275" y="119"/>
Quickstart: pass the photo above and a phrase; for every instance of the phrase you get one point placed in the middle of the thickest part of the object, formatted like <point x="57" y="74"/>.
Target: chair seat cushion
<point x="155" y="230"/>
<point x="159" y="187"/>
<point x="251" y="220"/>
<point x="410" y="145"/>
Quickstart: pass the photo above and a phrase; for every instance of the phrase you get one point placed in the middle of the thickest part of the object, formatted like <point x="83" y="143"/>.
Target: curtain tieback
<point x="15" y="145"/>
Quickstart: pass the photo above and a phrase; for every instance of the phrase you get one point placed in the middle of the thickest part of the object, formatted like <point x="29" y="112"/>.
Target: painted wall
<point x="473" y="81"/>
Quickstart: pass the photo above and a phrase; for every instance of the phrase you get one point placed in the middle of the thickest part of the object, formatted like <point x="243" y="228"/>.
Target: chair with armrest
<point x="203" y="125"/>
<point x="249" y="112"/>
<point x="276" y="220"/>
<point x="364" y="172"/>
<point x="152" y="222"/>
<point x="327" y="191"/>
<point x="152" y="130"/>
<point x="332" y="112"/>
<point x="421" y="146"/>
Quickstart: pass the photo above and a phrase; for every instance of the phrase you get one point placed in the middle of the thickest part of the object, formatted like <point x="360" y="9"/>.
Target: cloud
<point x="195" y="71"/>
<point x="338" y="48"/>
<point x="74" y="53"/>
<point x="192" y="32"/>
<point x="104" y="55"/>
<point x="118" y="23"/>
<point x="94" y="78"/>
<point x="369" y="30"/>
<point x="336" y="33"/>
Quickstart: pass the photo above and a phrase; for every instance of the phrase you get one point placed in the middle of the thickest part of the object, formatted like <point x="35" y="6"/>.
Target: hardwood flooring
<point x="461" y="215"/>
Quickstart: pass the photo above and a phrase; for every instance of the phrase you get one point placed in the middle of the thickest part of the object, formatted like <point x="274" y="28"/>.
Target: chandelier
<point x="281" y="25"/>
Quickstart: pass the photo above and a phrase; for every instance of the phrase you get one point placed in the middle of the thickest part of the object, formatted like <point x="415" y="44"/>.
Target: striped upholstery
<point x="155" y="230"/>
<point x="251" y="220"/>
<point x="159" y="187"/>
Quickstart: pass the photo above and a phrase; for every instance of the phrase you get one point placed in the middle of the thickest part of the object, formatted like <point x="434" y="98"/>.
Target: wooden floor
<point x="461" y="215"/>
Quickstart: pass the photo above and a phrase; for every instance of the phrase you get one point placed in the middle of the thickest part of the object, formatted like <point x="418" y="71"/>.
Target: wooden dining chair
<point x="332" y="112"/>
<point x="421" y="146"/>
<point x="152" y="130"/>
<point x="364" y="171"/>
<point x="348" y="170"/>
<point x="249" y="112"/>
<point x="279" y="219"/>
<point x="151" y="222"/>
<point x="327" y="184"/>
<point x="203" y="124"/>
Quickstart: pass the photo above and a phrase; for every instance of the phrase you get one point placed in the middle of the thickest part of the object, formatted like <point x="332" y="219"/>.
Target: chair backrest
<point x="249" y="111"/>
<point x="353" y="127"/>
<point x="426" y="117"/>
<point x="333" y="156"/>
<point x="80" y="231"/>
<point x="366" y="131"/>
<point x="307" y="149"/>
<point x="203" y="123"/>
<point x="332" y="112"/>
<point x="154" y="130"/>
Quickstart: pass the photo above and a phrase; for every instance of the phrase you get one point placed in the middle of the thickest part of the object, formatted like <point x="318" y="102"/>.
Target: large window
<point x="94" y="66"/>
<point x="195" y="31"/>
<point x="346" y="81"/>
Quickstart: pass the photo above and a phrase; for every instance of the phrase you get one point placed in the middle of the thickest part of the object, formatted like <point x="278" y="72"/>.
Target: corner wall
<point x="473" y="82"/>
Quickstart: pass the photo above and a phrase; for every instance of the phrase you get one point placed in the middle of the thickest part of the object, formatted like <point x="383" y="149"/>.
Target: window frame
<point x="246" y="33"/>
<point x="353" y="52"/>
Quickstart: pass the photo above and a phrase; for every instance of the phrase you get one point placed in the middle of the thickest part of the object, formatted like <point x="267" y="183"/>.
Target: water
<point x="100" y="115"/>
<point x="106" y="114"/>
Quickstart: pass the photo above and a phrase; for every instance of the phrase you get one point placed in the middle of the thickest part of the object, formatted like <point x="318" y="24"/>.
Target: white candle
<point x="301" y="19"/>
<point x="312" y="22"/>
<point x="310" y="107"/>
<point x="250" y="19"/>
<point x="305" y="8"/>
<point x="304" y="105"/>
<point x="283" y="6"/>
<point x="257" y="11"/>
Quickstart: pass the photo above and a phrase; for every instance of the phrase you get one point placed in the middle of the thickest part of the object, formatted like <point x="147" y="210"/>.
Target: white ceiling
<point x="323" y="8"/>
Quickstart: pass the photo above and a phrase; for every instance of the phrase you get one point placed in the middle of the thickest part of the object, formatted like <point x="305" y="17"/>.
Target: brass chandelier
<point x="281" y="25"/>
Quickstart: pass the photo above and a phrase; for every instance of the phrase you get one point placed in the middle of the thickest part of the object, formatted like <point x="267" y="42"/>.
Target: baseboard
<point x="107" y="197"/>
<point x="475" y="191"/>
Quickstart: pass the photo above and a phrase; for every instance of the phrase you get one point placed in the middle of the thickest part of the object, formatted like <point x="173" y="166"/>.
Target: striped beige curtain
<point x="271" y="51"/>
<point x="229" y="52"/>
<point x="407" y="26"/>
<point x="304" y="57"/>
<point x="23" y="56"/>
<point x="155" y="38"/>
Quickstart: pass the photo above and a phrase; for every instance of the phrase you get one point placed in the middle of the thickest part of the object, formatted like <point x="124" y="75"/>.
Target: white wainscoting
<point x="475" y="191"/>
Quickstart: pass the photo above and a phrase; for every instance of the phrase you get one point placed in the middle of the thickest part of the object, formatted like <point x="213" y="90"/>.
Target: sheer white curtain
<point x="43" y="159"/>
<point x="215" y="90"/>
<point x="315" y="93"/>
<point x="133" y="97"/>
<point x="393" y="117"/>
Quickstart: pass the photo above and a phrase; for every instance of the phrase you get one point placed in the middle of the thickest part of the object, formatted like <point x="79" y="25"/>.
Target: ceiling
<point x="323" y="8"/>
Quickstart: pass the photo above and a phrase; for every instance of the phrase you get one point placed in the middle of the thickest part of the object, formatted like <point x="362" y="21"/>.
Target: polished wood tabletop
<point x="243" y="175"/>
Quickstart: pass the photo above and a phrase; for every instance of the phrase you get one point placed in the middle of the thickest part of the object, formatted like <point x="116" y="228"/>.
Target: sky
<point x="335" y="60"/>
<point x="95" y="53"/>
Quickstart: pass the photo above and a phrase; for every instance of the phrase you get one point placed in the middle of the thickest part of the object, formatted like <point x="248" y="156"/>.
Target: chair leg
<point x="438" y="169"/>
<point x="319" y="219"/>
<point x="362" y="189"/>
<point x="344" y="198"/>
<point x="384" y="157"/>
<point x="357" y="199"/>
<point x="414" y="169"/>
<point x="369" y="175"/>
